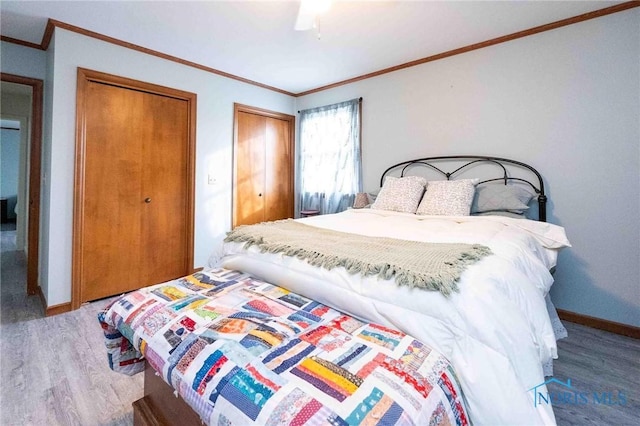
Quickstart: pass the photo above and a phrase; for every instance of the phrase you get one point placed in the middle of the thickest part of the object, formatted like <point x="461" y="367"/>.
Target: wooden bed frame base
<point x="160" y="407"/>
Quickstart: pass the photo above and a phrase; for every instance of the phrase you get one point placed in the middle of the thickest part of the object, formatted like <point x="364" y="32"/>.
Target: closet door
<point x="249" y="184"/>
<point x="278" y="203"/>
<point x="263" y="166"/>
<point x="113" y="247"/>
<point x="133" y="206"/>
<point x="165" y="176"/>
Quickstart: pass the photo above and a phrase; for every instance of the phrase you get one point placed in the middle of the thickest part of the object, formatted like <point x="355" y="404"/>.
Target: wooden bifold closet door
<point x="263" y="166"/>
<point x="133" y="223"/>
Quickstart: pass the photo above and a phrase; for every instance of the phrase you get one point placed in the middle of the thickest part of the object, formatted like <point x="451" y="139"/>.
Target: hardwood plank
<point x="54" y="370"/>
<point x="598" y="361"/>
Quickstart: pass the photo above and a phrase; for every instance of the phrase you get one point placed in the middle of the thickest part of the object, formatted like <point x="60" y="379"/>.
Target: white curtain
<point x="330" y="165"/>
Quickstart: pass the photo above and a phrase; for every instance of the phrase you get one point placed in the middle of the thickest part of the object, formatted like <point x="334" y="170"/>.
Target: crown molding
<point x="520" y="34"/>
<point x="122" y="43"/>
<point x="52" y="24"/>
<point x="21" y="42"/>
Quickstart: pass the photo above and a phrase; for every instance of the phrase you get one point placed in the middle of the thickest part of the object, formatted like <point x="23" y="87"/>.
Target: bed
<point x="491" y="320"/>
<point x="499" y="330"/>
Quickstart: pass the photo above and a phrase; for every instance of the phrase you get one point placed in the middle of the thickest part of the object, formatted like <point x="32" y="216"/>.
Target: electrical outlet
<point x="211" y="179"/>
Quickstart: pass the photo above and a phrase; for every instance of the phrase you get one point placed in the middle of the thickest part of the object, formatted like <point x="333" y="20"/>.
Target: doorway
<point x="14" y="90"/>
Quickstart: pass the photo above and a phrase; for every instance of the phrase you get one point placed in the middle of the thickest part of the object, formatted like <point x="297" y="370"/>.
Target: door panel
<point x="249" y="187"/>
<point x="111" y="241"/>
<point x="279" y="170"/>
<point x="164" y="177"/>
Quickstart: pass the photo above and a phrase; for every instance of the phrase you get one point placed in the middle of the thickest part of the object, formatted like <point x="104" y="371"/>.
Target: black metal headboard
<point x="469" y="160"/>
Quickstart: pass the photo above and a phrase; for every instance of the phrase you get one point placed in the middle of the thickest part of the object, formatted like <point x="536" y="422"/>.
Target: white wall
<point x="214" y="142"/>
<point x="45" y="167"/>
<point x="22" y="61"/>
<point x="9" y="162"/>
<point x="567" y="102"/>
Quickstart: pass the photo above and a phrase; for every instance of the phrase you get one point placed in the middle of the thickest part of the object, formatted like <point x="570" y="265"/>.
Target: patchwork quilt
<point x="242" y="351"/>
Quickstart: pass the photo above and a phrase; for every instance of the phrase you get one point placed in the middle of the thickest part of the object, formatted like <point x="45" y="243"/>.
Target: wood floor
<point x="54" y="370"/>
<point x="601" y="362"/>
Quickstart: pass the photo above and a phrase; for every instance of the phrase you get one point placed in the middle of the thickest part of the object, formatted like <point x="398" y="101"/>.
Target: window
<point x="330" y="166"/>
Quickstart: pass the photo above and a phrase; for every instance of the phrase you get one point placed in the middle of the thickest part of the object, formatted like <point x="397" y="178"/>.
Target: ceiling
<point x="256" y="40"/>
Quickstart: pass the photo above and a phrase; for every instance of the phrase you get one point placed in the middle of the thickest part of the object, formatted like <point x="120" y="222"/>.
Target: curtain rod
<point x="359" y="100"/>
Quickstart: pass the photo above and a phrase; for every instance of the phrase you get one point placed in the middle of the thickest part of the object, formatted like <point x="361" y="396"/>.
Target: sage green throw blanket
<point x="429" y="266"/>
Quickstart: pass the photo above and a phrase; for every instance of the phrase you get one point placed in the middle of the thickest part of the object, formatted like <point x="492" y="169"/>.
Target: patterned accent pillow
<point x="448" y="197"/>
<point x="400" y="194"/>
<point x="361" y="201"/>
<point x="498" y="197"/>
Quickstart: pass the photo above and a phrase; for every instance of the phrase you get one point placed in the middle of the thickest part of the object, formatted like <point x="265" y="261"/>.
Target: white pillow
<point x="448" y="197"/>
<point x="400" y="194"/>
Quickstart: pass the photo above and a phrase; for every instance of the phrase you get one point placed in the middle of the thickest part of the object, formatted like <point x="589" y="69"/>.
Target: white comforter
<point x="496" y="331"/>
